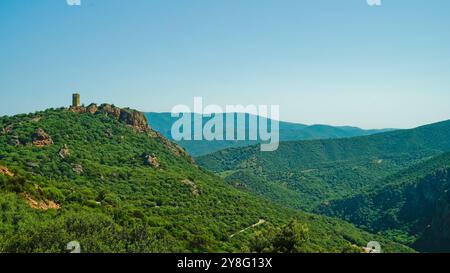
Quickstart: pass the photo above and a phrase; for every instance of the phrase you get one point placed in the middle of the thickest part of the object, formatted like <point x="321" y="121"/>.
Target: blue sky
<point x="338" y="62"/>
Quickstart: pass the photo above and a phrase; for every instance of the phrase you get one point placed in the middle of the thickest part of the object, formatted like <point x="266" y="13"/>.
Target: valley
<point x="372" y="181"/>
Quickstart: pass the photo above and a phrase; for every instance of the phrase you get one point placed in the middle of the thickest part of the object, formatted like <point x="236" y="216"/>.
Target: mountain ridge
<point x="289" y="131"/>
<point x="316" y="170"/>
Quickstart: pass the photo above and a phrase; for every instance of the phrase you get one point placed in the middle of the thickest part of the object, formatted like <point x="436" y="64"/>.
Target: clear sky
<point x="339" y="62"/>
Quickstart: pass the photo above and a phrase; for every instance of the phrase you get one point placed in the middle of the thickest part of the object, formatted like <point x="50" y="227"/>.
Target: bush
<point x="54" y="194"/>
<point x="290" y="238"/>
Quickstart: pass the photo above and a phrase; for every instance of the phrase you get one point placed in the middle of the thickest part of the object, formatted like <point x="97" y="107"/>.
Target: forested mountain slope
<point x="412" y="205"/>
<point x="100" y="176"/>
<point x="305" y="174"/>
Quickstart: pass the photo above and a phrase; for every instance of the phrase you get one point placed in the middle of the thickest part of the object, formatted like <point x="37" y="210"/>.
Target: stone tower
<point x="76" y="100"/>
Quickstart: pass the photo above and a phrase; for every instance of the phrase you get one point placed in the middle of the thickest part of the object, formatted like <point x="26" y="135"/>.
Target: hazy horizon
<point x="340" y="63"/>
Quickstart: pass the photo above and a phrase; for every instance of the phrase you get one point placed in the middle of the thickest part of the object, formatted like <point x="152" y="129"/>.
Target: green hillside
<point x="412" y="206"/>
<point x="162" y="122"/>
<point x="305" y="174"/>
<point x="100" y="176"/>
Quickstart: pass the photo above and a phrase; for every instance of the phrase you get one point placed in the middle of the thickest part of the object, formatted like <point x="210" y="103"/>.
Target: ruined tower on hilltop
<point x="76" y="100"/>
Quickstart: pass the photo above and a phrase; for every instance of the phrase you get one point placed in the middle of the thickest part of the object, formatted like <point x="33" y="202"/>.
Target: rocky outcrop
<point x="194" y="189"/>
<point x="131" y="117"/>
<point x="134" y="118"/>
<point x="110" y="110"/>
<point x="6" y="171"/>
<point x="77" y="109"/>
<point x="77" y="168"/>
<point x="152" y="161"/>
<point x="64" y="152"/>
<point x="92" y="108"/>
<point x="41" y="204"/>
<point x="41" y="139"/>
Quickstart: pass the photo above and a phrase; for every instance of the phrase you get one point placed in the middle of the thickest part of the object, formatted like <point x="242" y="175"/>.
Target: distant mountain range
<point x="162" y="122"/>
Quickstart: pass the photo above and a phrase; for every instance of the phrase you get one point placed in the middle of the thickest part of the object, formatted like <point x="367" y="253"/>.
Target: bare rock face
<point x="6" y="171"/>
<point x="109" y="110"/>
<point x="41" y="204"/>
<point x="77" y="109"/>
<point x="151" y="160"/>
<point x="64" y="152"/>
<point x="41" y="138"/>
<point x="133" y="118"/>
<point x="92" y="108"/>
<point x="77" y="168"/>
<point x="194" y="189"/>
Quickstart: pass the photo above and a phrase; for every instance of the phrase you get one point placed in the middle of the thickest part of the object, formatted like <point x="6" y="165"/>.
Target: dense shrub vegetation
<point x="305" y="174"/>
<point x="411" y="206"/>
<point x="94" y="183"/>
<point x="395" y="183"/>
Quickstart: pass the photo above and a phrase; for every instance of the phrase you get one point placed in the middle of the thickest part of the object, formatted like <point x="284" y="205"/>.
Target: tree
<point x="291" y="238"/>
